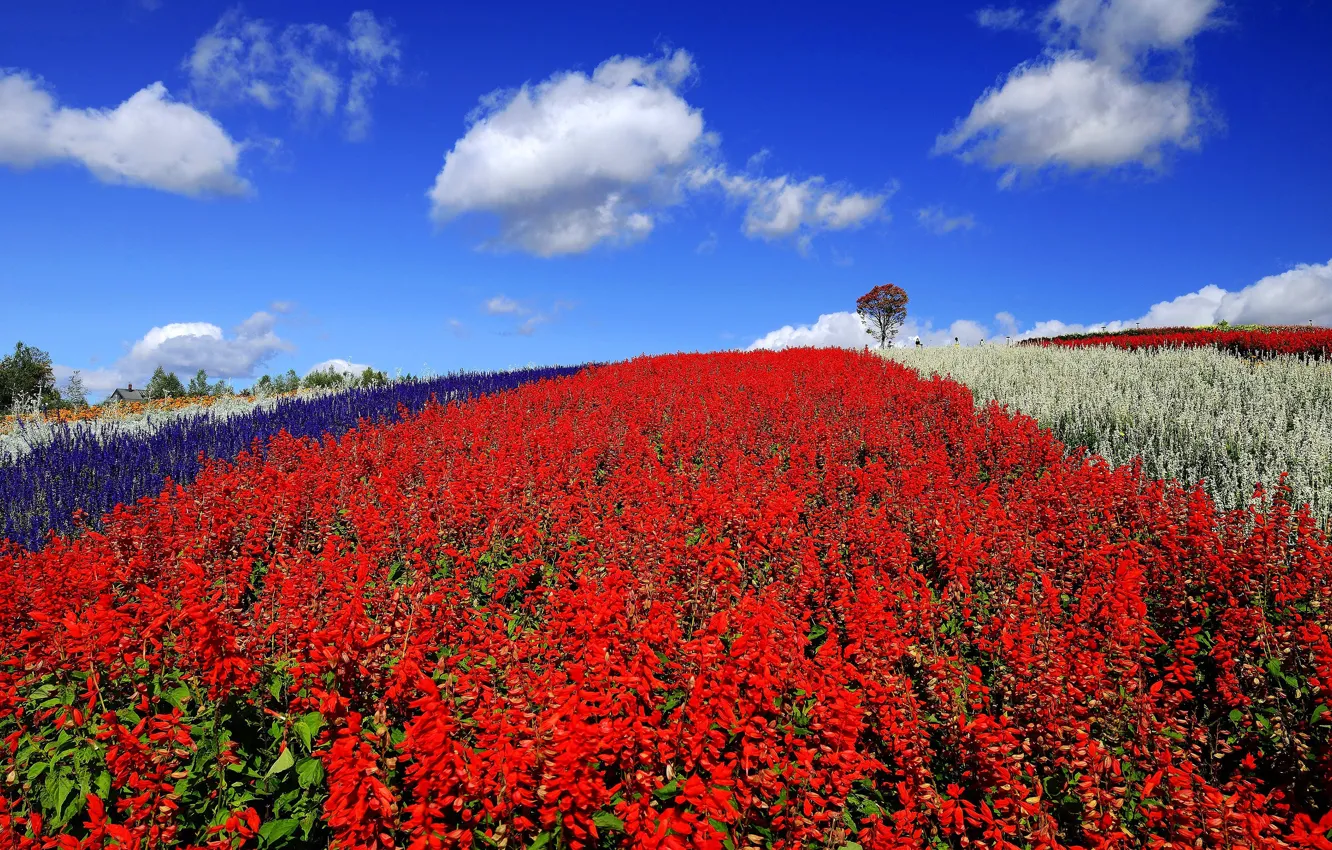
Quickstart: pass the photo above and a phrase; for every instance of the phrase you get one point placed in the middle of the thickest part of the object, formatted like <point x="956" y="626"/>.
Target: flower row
<point x="77" y="472"/>
<point x="1249" y="342"/>
<point x="791" y="600"/>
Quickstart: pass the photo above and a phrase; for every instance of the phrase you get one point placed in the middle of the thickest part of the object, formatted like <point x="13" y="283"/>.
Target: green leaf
<point x="669" y="790"/>
<point x="276" y="830"/>
<point x="63" y="788"/>
<point x="284" y="762"/>
<point x="606" y="820"/>
<point x="1319" y="711"/>
<point x="309" y="772"/>
<point x="540" y="841"/>
<point x="1236" y="715"/>
<point x="307" y="728"/>
<point x="177" y="697"/>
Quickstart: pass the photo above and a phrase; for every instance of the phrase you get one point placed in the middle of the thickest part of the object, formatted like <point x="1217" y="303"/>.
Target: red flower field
<point x="1251" y="342"/>
<point x="802" y="599"/>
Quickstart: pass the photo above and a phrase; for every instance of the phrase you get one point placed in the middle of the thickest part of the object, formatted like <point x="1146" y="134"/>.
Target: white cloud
<point x="846" y="330"/>
<point x="842" y="330"/>
<point x="186" y="347"/>
<point x="94" y="380"/>
<point x="502" y="305"/>
<point x="149" y="140"/>
<point x="337" y="364"/>
<point x="579" y="160"/>
<point x="1075" y="112"/>
<point x="781" y="207"/>
<point x="1010" y="18"/>
<point x="1090" y="101"/>
<point x="306" y="67"/>
<point x="1295" y="297"/>
<point x="576" y="160"/>
<point x="375" y="55"/>
<point x="1118" y="31"/>
<point x="937" y="221"/>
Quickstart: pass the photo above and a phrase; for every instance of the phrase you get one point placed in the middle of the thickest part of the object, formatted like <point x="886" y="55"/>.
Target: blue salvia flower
<point x="80" y="469"/>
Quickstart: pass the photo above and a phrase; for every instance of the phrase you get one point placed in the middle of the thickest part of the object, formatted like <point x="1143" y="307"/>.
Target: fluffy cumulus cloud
<point x="580" y="160"/>
<point x="1098" y="97"/>
<point x="187" y="347"/>
<point x="1295" y="297"/>
<point x="313" y="69"/>
<point x="340" y="366"/>
<point x="576" y="160"/>
<point x="149" y="140"/>
<point x="845" y="330"/>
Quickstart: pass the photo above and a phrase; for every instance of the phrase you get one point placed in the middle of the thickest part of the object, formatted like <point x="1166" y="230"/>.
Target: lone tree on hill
<point x="882" y="309"/>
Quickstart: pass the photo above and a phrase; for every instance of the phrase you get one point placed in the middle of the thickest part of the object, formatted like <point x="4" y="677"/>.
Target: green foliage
<point x="372" y="378"/>
<point x="27" y="375"/>
<point x="243" y="752"/>
<point x="198" y="384"/>
<point x="289" y="382"/>
<point x="75" y="395"/>
<point x="325" y="379"/>
<point x="164" y="384"/>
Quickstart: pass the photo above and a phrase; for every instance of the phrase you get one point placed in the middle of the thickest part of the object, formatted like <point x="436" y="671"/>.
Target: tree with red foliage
<point x="882" y="309"/>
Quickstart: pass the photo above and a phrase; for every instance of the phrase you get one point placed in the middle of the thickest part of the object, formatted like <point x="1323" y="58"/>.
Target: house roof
<point x="127" y="395"/>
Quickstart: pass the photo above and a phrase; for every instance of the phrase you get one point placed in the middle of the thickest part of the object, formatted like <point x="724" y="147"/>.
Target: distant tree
<point x="221" y="388"/>
<point x="263" y="386"/>
<point x="27" y="376"/>
<point x="882" y="310"/>
<point x="198" y="384"/>
<point x="371" y="378"/>
<point x="75" y="394"/>
<point x="164" y="384"/>
<point x="326" y="379"/>
<point x="288" y="383"/>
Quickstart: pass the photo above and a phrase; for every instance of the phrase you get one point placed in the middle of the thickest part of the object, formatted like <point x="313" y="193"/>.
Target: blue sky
<point x="262" y="187"/>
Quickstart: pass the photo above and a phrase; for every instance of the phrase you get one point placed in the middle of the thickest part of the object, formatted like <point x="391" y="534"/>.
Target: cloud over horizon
<point x="1294" y="297"/>
<point x="187" y="347"/>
